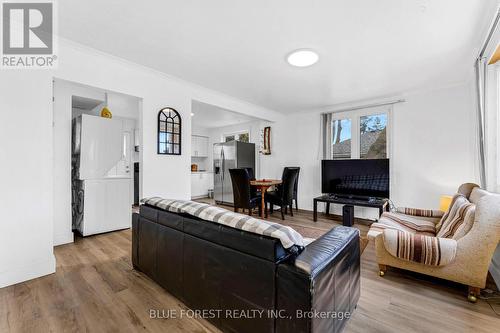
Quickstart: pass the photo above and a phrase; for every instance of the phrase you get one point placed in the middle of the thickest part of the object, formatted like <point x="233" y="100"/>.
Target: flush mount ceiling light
<point x="302" y="58"/>
<point x="192" y="114"/>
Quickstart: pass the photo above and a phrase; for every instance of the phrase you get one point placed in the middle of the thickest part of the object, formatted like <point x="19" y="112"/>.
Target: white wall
<point x="28" y="170"/>
<point x="432" y="140"/>
<point x="25" y="176"/>
<point x="434" y="145"/>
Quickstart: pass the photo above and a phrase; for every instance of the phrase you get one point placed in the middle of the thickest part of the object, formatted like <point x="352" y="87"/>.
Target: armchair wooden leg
<point x="473" y="294"/>
<point x="235" y="210"/>
<point x="291" y="208"/>
<point x="282" y="213"/>
<point x="382" y="269"/>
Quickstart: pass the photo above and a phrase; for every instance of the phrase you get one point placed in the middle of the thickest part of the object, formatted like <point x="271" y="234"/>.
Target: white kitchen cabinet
<point x="199" y="146"/>
<point x="201" y="182"/>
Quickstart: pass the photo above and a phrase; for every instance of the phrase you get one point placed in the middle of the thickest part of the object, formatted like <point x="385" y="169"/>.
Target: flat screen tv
<point x="356" y="178"/>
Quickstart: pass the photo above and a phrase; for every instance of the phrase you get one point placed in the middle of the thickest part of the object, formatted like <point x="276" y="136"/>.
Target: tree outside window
<point x="373" y="136"/>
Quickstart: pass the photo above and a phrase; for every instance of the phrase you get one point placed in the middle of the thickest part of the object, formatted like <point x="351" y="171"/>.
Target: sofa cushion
<point x="409" y="223"/>
<point x="419" y="248"/>
<point x="476" y="194"/>
<point x="457" y="200"/>
<point x="390" y="221"/>
<point x="458" y="219"/>
<point x="463" y="228"/>
<point x="378" y="229"/>
<point x="420" y="212"/>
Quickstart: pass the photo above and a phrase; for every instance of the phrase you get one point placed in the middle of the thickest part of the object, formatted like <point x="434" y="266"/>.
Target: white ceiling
<point x="367" y="48"/>
<point x="211" y="116"/>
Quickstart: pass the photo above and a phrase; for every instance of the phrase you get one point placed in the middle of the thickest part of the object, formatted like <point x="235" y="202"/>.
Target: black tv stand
<point x="349" y="202"/>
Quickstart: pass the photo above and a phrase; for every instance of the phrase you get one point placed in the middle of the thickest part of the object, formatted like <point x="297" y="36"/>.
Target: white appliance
<point x="101" y="175"/>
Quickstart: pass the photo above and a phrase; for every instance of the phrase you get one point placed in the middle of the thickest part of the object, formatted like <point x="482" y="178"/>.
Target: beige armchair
<point x="407" y="239"/>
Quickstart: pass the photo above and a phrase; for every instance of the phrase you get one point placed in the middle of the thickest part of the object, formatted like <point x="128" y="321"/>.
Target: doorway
<point x="84" y="183"/>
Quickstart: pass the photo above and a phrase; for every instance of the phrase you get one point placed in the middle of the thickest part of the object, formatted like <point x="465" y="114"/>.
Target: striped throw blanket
<point x="426" y="250"/>
<point x="287" y="236"/>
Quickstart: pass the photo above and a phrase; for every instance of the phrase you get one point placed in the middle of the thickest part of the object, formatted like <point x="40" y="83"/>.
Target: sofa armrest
<point x="320" y="253"/>
<point x="427" y="250"/>
<point x="420" y="212"/>
<point x="324" y="279"/>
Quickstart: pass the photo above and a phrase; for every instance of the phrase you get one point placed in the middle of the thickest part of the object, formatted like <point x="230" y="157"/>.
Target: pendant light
<point x="105" y="113"/>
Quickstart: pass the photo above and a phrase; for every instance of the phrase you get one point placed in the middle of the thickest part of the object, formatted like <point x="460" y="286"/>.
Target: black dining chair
<point x="253" y="190"/>
<point x="295" y="186"/>
<point x="283" y="196"/>
<point x="243" y="196"/>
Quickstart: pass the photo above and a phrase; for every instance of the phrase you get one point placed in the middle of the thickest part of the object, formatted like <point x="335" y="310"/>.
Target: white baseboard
<point x="64" y="238"/>
<point x="199" y="197"/>
<point x="28" y="271"/>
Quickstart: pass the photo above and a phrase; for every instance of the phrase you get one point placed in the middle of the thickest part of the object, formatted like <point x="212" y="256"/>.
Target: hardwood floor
<point x="95" y="289"/>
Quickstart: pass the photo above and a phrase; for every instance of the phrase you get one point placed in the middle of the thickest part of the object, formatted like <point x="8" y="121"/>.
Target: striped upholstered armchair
<point x="456" y="245"/>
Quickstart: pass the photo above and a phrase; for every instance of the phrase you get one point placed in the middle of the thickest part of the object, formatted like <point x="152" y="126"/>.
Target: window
<point x="242" y="136"/>
<point x="169" y="132"/>
<point x="358" y="134"/>
<point x="373" y="136"/>
<point x="341" y="139"/>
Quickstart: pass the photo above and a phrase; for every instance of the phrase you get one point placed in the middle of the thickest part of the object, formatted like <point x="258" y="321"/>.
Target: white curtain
<point x="480" y="70"/>
<point x="487" y="108"/>
<point x="487" y="93"/>
<point x="325" y="151"/>
<point x="491" y="128"/>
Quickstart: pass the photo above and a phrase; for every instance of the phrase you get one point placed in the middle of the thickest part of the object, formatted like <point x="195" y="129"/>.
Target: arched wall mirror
<point x="169" y="132"/>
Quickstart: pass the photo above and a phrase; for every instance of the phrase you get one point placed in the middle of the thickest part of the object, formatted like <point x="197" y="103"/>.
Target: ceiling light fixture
<point x="192" y="114"/>
<point x="302" y="58"/>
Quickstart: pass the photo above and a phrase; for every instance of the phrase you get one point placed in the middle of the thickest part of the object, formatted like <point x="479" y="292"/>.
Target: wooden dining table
<point x="264" y="185"/>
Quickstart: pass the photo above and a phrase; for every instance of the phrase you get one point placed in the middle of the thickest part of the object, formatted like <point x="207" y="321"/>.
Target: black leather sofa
<point x="209" y="266"/>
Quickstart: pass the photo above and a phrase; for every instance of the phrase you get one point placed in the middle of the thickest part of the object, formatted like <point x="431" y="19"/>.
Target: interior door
<point x="124" y="165"/>
<point x="218" y="173"/>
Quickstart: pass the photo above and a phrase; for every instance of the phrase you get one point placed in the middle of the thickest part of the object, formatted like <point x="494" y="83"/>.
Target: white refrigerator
<point x="101" y="175"/>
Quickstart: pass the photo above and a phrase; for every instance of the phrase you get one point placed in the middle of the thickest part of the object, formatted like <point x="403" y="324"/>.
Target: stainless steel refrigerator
<point x="230" y="155"/>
